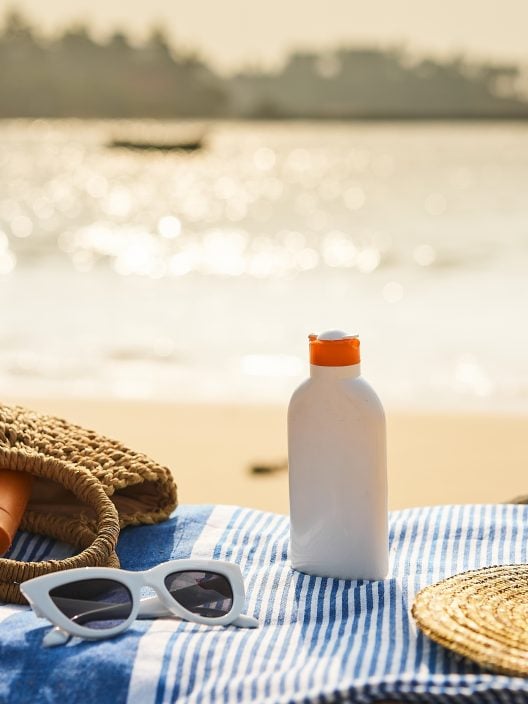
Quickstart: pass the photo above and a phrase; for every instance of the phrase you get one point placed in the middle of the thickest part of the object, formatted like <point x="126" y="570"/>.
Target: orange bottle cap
<point x="334" y="349"/>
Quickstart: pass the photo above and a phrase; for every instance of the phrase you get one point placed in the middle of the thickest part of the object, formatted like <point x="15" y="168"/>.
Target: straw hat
<point x="482" y="614"/>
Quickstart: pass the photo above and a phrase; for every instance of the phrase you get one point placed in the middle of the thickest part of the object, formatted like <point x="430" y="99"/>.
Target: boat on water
<point x="157" y="146"/>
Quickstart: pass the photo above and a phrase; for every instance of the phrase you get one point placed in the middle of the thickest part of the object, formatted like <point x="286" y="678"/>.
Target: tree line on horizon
<point x="75" y="75"/>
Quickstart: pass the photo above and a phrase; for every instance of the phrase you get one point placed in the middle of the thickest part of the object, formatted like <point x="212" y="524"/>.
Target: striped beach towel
<point x="320" y="640"/>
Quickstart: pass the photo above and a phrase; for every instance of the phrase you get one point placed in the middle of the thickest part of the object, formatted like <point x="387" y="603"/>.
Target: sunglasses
<point x="100" y="602"/>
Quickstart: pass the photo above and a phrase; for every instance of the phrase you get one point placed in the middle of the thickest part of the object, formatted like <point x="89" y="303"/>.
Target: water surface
<point x="198" y="277"/>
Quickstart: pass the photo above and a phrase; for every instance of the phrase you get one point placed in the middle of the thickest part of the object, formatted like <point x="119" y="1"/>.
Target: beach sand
<point x="433" y="458"/>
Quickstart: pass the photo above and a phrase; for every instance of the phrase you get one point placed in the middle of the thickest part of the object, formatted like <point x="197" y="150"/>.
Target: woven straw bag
<point x="85" y="488"/>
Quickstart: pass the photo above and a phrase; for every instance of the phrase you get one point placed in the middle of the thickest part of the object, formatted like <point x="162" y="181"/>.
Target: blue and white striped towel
<point x="320" y="640"/>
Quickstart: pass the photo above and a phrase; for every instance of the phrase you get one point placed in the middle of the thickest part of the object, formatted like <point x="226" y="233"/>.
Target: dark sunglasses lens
<point x="94" y="603"/>
<point x="202" y="593"/>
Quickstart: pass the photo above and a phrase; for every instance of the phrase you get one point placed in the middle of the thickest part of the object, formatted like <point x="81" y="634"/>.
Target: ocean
<point x="198" y="277"/>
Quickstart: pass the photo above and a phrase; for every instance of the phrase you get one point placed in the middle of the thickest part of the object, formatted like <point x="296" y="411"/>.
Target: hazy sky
<point x="232" y="32"/>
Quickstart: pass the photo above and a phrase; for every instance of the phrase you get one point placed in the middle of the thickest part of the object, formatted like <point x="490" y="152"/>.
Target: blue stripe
<point x="440" y="660"/>
<point x="222" y="552"/>
<point x="19" y="546"/>
<point x="259" y="543"/>
<point x="397" y="602"/>
<point x="160" y="690"/>
<point x="409" y="569"/>
<point x="278" y="647"/>
<point x="260" y="548"/>
<point x="397" y="531"/>
<point x="267" y="608"/>
<point x="324" y="629"/>
<point x="250" y="523"/>
<point x="36" y="547"/>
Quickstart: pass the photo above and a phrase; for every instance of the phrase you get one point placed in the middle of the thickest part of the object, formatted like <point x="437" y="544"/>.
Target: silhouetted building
<point x="371" y="83"/>
<point x="74" y="75"/>
<point x="77" y="76"/>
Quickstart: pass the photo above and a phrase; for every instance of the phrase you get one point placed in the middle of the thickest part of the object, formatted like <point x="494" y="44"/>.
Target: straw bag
<point x="85" y="488"/>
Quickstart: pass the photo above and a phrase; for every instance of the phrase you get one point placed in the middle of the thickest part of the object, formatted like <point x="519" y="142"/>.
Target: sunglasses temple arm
<point x="56" y="636"/>
<point x="104" y="610"/>
<point x="152" y="607"/>
<point x="245" y="621"/>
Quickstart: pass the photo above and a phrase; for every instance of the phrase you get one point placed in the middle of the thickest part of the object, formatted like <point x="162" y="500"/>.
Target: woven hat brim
<point x="481" y="615"/>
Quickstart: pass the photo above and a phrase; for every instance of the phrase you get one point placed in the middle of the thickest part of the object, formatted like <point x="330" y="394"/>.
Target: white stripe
<point x="228" y="638"/>
<point x="213" y="530"/>
<point x="279" y="682"/>
<point x="17" y="553"/>
<point x="303" y="668"/>
<point x="372" y="643"/>
<point x="410" y="517"/>
<point x="223" y="655"/>
<point x="149" y="656"/>
<point x="397" y="528"/>
<point x="520" y="543"/>
<point x="181" y="657"/>
<point x="325" y="640"/>
<point x="496" y="545"/>
<point x="256" y="647"/>
<point x="505" y="559"/>
<point x="203" y="548"/>
<point x="292" y="611"/>
<point x="396" y="550"/>
<point x="340" y="654"/>
<point x="147" y="664"/>
<point x="484" y="561"/>
<point x="461" y="525"/>
<point x="423" y="544"/>
<point x="354" y="619"/>
<point x="472" y="557"/>
<point x="220" y="637"/>
<point x="284" y="584"/>
<point x="211" y="638"/>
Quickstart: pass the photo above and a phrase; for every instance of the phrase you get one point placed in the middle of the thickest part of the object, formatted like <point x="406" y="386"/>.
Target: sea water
<point x="198" y="276"/>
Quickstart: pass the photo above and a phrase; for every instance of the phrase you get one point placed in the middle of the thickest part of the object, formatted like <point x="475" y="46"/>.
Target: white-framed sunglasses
<point x="100" y="602"/>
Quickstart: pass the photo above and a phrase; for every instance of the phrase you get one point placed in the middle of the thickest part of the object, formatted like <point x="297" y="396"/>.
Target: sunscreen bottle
<point x="337" y="466"/>
<point x="15" y="488"/>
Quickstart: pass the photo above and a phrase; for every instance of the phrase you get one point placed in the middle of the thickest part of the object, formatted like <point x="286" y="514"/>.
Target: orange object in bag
<point x="15" y="488"/>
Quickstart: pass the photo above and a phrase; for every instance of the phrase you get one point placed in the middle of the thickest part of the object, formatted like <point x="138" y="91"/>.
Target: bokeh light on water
<point x="198" y="276"/>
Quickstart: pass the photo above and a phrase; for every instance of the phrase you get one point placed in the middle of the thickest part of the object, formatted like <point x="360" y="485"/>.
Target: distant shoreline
<point x="203" y="119"/>
<point x="76" y="75"/>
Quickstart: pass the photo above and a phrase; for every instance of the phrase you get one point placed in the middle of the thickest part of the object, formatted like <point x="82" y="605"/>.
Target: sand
<point x="432" y="458"/>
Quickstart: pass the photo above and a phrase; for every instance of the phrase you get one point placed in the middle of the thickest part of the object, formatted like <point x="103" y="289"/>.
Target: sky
<point x="234" y="33"/>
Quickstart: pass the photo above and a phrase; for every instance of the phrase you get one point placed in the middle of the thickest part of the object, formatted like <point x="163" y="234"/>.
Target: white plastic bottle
<point x="337" y="466"/>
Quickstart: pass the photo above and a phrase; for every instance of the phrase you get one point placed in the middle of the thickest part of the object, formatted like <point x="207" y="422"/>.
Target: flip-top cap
<point x="334" y="348"/>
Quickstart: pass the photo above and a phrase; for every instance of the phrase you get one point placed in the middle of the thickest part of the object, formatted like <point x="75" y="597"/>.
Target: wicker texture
<point x="108" y="486"/>
<point x="482" y="615"/>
